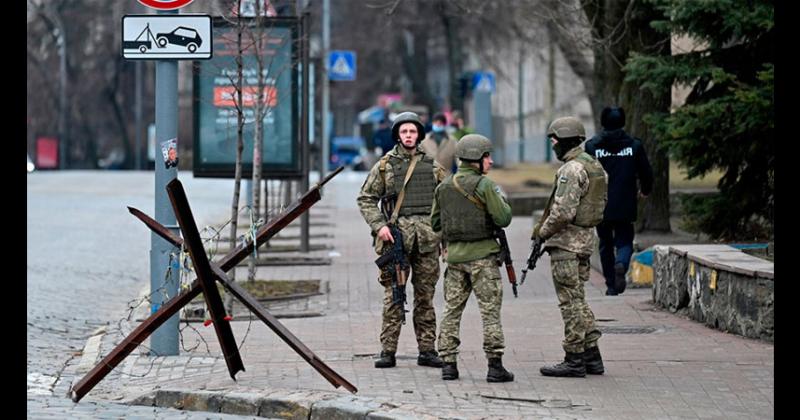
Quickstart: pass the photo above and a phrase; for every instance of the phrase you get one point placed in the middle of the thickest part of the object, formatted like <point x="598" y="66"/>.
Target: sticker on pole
<point x="165" y="4"/>
<point x="173" y="37"/>
<point x="169" y="149"/>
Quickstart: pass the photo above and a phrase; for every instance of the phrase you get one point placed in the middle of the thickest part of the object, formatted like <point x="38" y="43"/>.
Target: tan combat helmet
<point x="472" y="147"/>
<point x="566" y="127"/>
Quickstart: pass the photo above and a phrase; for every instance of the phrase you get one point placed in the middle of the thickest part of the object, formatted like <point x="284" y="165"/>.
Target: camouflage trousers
<point x="424" y="276"/>
<point x="570" y="271"/>
<point x="460" y="280"/>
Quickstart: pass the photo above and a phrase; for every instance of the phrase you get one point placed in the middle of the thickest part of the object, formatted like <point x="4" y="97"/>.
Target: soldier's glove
<point x="536" y="230"/>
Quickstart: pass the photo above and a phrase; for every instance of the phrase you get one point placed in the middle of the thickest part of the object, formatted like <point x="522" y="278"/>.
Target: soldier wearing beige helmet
<point x="575" y="207"/>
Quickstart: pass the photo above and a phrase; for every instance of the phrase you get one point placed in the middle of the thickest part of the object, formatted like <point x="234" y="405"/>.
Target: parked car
<point x="183" y="36"/>
<point x="349" y="151"/>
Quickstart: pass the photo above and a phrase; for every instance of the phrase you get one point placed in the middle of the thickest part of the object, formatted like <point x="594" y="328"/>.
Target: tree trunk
<point x="260" y="111"/>
<point x="455" y="57"/>
<point x="415" y="63"/>
<point x="610" y="51"/>
<point x="654" y="210"/>
<point x="63" y="109"/>
<point x="582" y="68"/>
<point x="119" y="119"/>
<point x="619" y="28"/>
<point x="237" y="177"/>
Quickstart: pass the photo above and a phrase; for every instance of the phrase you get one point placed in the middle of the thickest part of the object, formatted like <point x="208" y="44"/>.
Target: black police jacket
<point x="624" y="159"/>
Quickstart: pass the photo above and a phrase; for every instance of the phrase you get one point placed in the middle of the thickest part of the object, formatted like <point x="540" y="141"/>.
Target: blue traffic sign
<point x="342" y="65"/>
<point x="483" y="82"/>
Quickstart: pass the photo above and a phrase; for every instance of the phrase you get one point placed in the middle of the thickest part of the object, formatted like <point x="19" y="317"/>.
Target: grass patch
<point x="679" y="179"/>
<point x="263" y="289"/>
<point x="539" y="177"/>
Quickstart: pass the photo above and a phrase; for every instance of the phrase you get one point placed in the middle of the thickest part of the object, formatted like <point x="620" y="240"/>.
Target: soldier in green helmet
<point x="410" y="176"/>
<point x="567" y="226"/>
<point x="467" y="208"/>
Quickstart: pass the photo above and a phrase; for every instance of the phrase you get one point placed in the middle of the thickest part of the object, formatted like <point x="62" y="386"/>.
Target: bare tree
<point x="50" y="14"/>
<point x="79" y="38"/>
<point x="257" y="42"/>
<point x="238" y="105"/>
<point x="620" y="29"/>
<point x="611" y="30"/>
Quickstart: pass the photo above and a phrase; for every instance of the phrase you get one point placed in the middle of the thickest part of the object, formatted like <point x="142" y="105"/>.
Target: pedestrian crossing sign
<point x="342" y="65"/>
<point x="483" y="82"/>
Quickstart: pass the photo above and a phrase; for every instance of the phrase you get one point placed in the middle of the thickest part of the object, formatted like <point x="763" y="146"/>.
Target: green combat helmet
<point x="566" y="127"/>
<point x="407" y="117"/>
<point x="472" y="147"/>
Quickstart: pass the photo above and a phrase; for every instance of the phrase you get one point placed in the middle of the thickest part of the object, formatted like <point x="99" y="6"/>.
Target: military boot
<point x="619" y="278"/>
<point x="572" y="366"/>
<point x="449" y="371"/>
<point x="593" y="361"/>
<point x="497" y="373"/>
<point x="429" y="358"/>
<point x="387" y="360"/>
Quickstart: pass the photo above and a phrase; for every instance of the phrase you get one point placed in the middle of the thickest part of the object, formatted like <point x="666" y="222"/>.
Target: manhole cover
<point x="626" y="329"/>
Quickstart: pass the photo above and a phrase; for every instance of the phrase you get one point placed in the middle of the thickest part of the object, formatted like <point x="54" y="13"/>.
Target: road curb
<point x="281" y="404"/>
<point x="91" y="351"/>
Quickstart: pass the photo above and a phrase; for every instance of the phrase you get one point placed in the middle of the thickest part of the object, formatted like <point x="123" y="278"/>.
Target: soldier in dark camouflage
<point x="421" y="243"/>
<point x="576" y="205"/>
<point x="468" y="207"/>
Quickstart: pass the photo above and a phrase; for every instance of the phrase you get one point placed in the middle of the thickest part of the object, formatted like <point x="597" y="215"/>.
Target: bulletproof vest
<point x="462" y="219"/>
<point x="419" y="191"/>
<point x="590" y="209"/>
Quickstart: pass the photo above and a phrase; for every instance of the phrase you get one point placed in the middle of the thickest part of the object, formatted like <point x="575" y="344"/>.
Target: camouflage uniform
<point x="481" y="276"/>
<point x="421" y="246"/>
<point x="472" y="266"/>
<point x="570" y="246"/>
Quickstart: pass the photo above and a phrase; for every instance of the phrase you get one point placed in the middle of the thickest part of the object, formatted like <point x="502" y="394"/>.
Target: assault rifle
<point x="505" y="258"/>
<point x="536" y="252"/>
<point x="394" y="259"/>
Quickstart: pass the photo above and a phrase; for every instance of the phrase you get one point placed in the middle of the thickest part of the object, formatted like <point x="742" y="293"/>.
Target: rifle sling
<point x="547" y="206"/>
<point x="467" y="195"/>
<point x="402" y="194"/>
<point x="481" y="206"/>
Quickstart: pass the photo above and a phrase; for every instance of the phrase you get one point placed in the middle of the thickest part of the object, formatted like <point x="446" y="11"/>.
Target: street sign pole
<point x="520" y="108"/>
<point x="305" y="160"/>
<point x="483" y="89"/>
<point x="138" y="113"/>
<point x="164" y="257"/>
<point x="326" y="45"/>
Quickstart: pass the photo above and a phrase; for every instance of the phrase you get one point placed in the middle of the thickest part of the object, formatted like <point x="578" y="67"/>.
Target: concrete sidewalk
<point x="658" y="365"/>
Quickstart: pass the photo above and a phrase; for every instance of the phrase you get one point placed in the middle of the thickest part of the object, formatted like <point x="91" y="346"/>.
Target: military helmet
<point x="473" y="147"/>
<point x="566" y="127"/>
<point x="407" y="117"/>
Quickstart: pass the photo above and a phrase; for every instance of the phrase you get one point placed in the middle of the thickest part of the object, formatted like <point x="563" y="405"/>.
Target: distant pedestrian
<point x="460" y="129"/>
<point x="440" y="145"/>
<point x="624" y="159"/>
<point x="423" y="118"/>
<point x="383" y="138"/>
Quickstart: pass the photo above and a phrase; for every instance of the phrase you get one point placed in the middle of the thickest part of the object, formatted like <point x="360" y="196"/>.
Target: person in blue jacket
<point x="624" y="159"/>
<point x="383" y="137"/>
